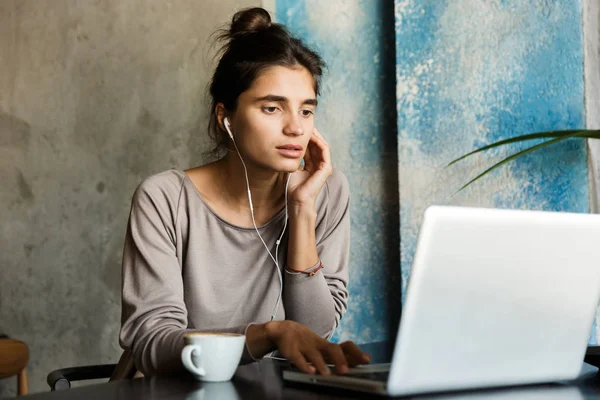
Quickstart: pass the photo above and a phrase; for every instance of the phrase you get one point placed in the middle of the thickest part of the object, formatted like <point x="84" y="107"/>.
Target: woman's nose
<point x="293" y="127"/>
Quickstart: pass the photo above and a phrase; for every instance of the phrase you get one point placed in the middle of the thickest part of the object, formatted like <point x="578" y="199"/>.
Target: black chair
<point x="61" y="379"/>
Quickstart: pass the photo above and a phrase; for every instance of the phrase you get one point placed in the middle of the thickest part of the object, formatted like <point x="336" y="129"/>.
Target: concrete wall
<point x="356" y="115"/>
<point x="94" y="96"/>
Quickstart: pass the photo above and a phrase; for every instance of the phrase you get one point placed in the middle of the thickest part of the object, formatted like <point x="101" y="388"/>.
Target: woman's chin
<point x="288" y="167"/>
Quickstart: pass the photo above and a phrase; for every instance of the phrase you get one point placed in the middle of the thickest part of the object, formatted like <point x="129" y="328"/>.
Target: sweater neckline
<point x="188" y="181"/>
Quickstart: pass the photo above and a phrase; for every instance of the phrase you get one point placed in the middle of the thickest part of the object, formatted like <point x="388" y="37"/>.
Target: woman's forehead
<point x="294" y="83"/>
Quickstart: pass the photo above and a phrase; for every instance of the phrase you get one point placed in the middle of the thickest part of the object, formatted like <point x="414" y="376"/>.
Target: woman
<point x="252" y="243"/>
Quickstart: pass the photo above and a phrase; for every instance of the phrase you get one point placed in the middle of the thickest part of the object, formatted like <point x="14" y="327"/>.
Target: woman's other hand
<point x="305" y="349"/>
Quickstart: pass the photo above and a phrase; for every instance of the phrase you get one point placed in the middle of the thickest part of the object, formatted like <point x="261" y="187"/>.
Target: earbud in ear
<point x="226" y="122"/>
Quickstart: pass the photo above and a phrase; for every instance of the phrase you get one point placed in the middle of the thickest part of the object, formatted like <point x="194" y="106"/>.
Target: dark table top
<point x="262" y="380"/>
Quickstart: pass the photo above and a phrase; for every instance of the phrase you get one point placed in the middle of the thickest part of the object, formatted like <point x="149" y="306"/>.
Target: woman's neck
<point x="267" y="187"/>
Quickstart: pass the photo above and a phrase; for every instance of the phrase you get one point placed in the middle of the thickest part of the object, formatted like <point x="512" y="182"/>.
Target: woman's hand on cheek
<point x="305" y="184"/>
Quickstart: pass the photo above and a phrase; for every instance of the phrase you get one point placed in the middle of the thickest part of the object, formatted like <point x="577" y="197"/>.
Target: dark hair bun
<point x="250" y="20"/>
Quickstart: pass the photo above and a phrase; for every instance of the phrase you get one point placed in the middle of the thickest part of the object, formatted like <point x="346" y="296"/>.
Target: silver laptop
<point x="495" y="298"/>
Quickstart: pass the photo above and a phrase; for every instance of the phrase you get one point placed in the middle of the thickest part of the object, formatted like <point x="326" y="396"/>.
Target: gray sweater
<point x="186" y="269"/>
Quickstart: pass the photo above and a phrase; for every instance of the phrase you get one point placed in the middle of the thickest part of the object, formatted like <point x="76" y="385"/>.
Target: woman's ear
<point x="221" y="113"/>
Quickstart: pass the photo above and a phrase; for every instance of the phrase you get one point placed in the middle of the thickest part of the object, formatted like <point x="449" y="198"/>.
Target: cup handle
<point x="186" y="358"/>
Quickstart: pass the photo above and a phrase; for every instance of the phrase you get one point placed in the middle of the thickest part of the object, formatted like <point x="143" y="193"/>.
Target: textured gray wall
<point x="94" y="96"/>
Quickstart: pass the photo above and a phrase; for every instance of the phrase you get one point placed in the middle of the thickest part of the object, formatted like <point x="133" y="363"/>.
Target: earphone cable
<point x="275" y="259"/>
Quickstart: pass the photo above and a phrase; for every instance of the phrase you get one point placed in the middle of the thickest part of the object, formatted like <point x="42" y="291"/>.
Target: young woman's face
<point x="274" y="119"/>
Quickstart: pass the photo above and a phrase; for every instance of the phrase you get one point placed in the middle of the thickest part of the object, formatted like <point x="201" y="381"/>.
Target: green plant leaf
<point x="579" y="133"/>
<point x="589" y="133"/>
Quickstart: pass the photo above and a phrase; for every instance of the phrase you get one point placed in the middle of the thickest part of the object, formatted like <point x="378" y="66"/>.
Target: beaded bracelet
<point x="306" y="272"/>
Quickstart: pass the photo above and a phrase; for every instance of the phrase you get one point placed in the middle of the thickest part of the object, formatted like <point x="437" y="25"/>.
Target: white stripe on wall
<point x="591" y="60"/>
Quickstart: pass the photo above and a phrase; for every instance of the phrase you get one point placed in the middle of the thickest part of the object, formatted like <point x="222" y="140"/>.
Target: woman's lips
<point x="289" y="153"/>
<point x="290" y="150"/>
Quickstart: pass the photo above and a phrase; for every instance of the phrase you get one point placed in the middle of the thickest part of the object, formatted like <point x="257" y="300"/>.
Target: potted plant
<point x="553" y="136"/>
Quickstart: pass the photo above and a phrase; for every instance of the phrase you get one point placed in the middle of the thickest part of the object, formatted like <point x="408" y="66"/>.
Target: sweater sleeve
<point x="320" y="301"/>
<point x="154" y="317"/>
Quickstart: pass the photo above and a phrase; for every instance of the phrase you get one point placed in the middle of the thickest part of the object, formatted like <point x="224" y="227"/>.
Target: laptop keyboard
<point x="372" y="376"/>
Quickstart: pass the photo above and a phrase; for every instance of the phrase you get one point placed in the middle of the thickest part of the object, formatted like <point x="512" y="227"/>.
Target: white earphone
<point x="228" y="128"/>
<point x="275" y="259"/>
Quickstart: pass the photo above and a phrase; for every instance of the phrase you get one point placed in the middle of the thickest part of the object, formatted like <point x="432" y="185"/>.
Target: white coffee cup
<point x="212" y="356"/>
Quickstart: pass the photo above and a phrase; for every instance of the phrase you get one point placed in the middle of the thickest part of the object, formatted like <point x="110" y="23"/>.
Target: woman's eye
<point x="306" y="113"/>
<point x="269" y="110"/>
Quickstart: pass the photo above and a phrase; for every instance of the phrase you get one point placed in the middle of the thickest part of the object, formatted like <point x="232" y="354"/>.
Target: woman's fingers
<point x="354" y="354"/>
<point x="308" y="157"/>
<point x="337" y="357"/>
<point x="314" y="161"/>
<point x="300" y="362"/>
<point x="320" y="136"/>
<point x="322" y="147"/>
<point x="314" y="356"/>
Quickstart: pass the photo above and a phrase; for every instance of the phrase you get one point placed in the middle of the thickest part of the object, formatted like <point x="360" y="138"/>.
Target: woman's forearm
<point x="302" y="247"/>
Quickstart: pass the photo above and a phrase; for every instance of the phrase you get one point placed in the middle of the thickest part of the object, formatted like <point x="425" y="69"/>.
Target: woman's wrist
<point x="273" y="331"/>
<point x="302" y="211"/>
<point x="260" y="338"/>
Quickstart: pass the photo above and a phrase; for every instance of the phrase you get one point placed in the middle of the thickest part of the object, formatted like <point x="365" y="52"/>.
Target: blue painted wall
<point x="467" y="73"/>
<point x="471" y="72"/>
<point x="357" y="116"/>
